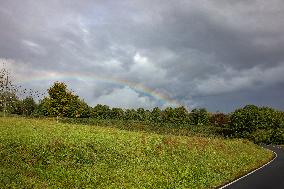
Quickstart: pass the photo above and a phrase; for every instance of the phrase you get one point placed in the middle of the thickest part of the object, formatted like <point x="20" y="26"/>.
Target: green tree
<point x="10" y="103"/>
<point x="220" y="119"/>
<point x="117" y="113"/>
<point x="131" y="114"/>
<point x="60" y="99"/>
<point x="63" y="103"/>
<point x="28" y="106"/>
<point x="141" y="114"/>
<point x="200" y="116"/>
<point x="168" y="115"/>
<point x="251" y="118"/>
<point x="43" y="107"/>
<point x="78" y="108"/>
<point x="156" y="115"/>
<point x="101" y="112"/>
<point x="177" y="115"/>
<point x="181" y="115"/>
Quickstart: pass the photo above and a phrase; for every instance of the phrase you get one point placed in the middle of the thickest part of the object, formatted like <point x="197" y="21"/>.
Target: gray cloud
<point x="218" y="54"/>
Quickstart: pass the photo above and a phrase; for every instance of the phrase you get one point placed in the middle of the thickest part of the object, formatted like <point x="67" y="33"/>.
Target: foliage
<point x="61" y="100"/>
<point x="155" y="115"/>
<point x="142" y="114"/>
<point x="181" y="115"/>
<point x="261" y="136"/>
<point x="28" y="106"/>
<point x="75" y="156"/>
<point x="131" y="114"/>
<point x="259" y="124"/>
<point x="10" y="103"/>
<point x="100" y="112"/>
<point x="251" y="118"/>
<point x="11" y="95"/>
<point x="271" y="136"/>
<point x="220" y="119"/>
<point x="150" y="127"/>
<point x="277" y="136"/>
<point x="8" y="99"/>
<point x="177" y="115"/>
<point x="43" y="107"/>
<point x="63" y="103"/>
<point x="200" y="117"/>
<point x="116" y="113"/>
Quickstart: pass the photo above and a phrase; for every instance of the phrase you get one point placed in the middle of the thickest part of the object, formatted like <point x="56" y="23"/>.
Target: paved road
<point x="271" y="176"/>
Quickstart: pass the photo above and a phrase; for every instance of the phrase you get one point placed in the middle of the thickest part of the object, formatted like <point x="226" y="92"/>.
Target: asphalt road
<point x="270" y="176"/>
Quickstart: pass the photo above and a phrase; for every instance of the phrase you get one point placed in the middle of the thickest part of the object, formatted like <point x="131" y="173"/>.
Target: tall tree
<point x="200" y="116"/>
<point x="63" y="103"/>
<point x="28" y="106"/>
<point x="117" y="113"/>
<point x="156" y="115"/>
<point x="101" y="112"/>
<point x="8" y="97"/>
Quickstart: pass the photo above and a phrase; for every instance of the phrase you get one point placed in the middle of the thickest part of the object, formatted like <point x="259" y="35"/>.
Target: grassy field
<point x="150" y="127"/>
<point x="45" y="154"/>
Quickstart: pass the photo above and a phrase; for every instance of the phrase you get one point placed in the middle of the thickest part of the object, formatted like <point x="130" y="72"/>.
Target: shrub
<point x="247" y="120"/>
<point x="199" y="117"/>
<point x="271" y="136"/>
<point x="101" y="111"/>
<point x="220" y="119"/>
<point x="177" y="115"/>
<point x="277" y="136"/>
<point x="131" y="114"/>
<point x="156" y="115"/>
<point x="117" y="113"/>
<point x="261" y="136"/>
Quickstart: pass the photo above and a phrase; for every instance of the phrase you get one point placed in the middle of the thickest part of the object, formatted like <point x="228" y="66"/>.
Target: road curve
<point x="270" y="176"/>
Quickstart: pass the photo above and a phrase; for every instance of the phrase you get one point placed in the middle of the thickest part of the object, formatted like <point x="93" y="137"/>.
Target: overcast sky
<point x="201" y="53"/>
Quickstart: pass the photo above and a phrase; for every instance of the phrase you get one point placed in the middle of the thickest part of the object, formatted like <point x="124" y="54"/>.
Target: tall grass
<point x="151" y="127"/>
<point x="46" y="154"/>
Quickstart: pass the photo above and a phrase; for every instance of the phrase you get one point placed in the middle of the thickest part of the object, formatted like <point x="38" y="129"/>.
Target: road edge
<point x="236" y="180"/>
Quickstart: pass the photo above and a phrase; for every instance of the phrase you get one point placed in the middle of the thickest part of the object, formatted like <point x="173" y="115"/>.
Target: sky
<point x="220" y="55"/>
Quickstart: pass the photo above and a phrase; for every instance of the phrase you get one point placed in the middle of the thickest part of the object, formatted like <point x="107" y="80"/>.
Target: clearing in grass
<point x="45" y="154"/>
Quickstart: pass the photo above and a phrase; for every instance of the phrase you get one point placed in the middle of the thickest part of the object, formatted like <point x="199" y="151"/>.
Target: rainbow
<point x="56" y="76"/>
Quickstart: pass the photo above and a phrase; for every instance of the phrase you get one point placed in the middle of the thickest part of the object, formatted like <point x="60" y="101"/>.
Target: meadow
<point x="41" y="153"/>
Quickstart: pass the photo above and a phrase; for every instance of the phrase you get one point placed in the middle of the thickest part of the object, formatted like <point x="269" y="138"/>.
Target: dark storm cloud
<point x="196" y="52"/>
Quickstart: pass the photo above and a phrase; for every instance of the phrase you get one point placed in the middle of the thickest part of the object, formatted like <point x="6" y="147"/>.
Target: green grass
<point x="45" y="154"/>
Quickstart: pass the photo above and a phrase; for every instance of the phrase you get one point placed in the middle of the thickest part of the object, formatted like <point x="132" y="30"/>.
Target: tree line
<point x="260" y="124"/>
<point x="61" y="102"/>
<point x="64" y="103"/>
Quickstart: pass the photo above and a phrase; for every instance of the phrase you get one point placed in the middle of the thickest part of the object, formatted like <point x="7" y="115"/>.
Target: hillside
<point x="45" y="154"/>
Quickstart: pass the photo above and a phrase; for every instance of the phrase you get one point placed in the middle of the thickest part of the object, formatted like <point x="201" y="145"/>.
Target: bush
<point x="261" y="136"/>
<point x="199" y="117"/>
<point x="117" y="113"/>
<point x="249" y="119"/>
<point x="220" y="119"/>
<point x="271" y="136"/>
<point x="156" y="114"/>
<point x="277" y="136"/>
<point x="101" y="112"/>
